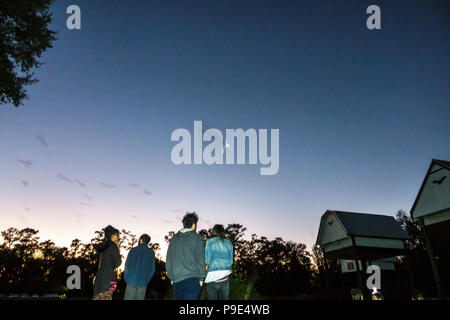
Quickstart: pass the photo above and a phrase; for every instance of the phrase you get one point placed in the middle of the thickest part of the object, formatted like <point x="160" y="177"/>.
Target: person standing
<point x="185" y="261"/>
<point x="139" y="269"/>
<point x="105" y="281"/>
<point x="219" y="260"/>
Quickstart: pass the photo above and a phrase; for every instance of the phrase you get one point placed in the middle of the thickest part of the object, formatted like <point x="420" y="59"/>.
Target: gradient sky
<point x="361" y="114"/>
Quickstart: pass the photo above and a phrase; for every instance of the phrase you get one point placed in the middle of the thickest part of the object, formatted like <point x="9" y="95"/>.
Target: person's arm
<point x="125" y="272"/>
<point x="208" y="255"/>
<point x="169" y="262"/>
<point x="231" y="255"/>
<point x="200" y="256"/>
<point x="152" y="263"/>
<point x="117" y="259"/>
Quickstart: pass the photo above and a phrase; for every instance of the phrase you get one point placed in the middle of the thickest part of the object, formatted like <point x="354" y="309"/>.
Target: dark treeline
<point x="263" y="268"/>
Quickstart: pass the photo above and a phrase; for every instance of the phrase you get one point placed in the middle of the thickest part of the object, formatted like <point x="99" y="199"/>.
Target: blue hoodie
<point x="140" y="266"/>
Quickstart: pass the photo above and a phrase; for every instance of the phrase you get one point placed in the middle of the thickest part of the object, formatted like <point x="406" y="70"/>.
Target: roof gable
<point x="434" y="193"/>
<point x="330" y="229"/>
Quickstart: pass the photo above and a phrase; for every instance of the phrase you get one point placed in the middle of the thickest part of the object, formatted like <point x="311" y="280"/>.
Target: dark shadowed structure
<point x="361" y="237"/>
<point x="432" y="208"/>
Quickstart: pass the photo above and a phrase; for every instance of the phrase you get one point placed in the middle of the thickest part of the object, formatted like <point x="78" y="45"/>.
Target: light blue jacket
<point x="219" y="254"/>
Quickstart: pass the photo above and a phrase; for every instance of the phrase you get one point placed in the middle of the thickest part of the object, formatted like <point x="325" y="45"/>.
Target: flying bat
<point x="107" y="185"/>
<point x="88" y="196"/>
<point x="23" y="219"/>
<point x="41" y="139"/>
<point x="86" y="204"/>
<point x="81" y="184"/>
<point x="439" y="182"/>
<point x="64" y="178"/>
<point x="25" y="163"/>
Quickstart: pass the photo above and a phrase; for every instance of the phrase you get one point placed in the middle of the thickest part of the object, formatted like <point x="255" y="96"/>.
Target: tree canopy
<point x="24" y="36"/>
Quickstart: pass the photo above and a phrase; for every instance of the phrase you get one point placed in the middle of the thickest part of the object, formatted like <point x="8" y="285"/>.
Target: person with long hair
<point x="105" y="281"/>
<point x="219" y="260"/>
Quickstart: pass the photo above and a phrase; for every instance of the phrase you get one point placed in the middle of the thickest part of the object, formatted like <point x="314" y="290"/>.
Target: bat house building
<point x="432" y="209"/>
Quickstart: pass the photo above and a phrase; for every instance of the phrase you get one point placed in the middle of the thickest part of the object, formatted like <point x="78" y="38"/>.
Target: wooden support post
<point x="359" y="275"/>
<point x="412" y="282"/>
<point x="341" y="278"/>
<point x="397" y="282"/>
<point x="434" y="265"/>
<point x="325" y="265"/>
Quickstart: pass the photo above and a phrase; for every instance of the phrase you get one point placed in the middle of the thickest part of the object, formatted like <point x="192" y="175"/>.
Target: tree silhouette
<point x="24" y="36"/>
<point x="418" y="254"/>
<point x="414" y="229"/>
<point x="267" y="265"/>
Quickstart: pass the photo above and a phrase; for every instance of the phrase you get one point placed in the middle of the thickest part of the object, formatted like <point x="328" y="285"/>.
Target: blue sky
<point x="361" y="114"/>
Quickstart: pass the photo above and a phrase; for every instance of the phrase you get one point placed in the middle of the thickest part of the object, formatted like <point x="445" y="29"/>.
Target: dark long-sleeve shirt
<point x="140" y="266"/>
<point x="109" y="260"/>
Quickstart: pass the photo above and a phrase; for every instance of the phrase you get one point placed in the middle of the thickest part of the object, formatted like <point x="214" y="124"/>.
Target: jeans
<point x="135" y="293"/>
<point x="218" y="290"/>
<point x="188" y="289"/>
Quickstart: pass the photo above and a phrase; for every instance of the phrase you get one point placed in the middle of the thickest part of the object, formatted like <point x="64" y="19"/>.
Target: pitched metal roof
<point x="371" y="225"/>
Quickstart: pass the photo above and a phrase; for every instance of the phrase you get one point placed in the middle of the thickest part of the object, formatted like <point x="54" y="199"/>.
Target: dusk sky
<point x="360" y="112"/>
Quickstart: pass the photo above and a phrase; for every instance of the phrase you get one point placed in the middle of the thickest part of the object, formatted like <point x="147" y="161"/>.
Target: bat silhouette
<point x="25" y="163"/>
<point x="88" y="196"/>
<point x="440" y="180"/>
<point x="64" y="178"/>
<point x="41" y="139"/>
<point x="107" y="185"/>
<point x="23" y="219"/>
<point x="86" y="204"/>
<point x="205" y="221"/>
<point x="81" y="184"/>
<point x="225" y="143"/>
